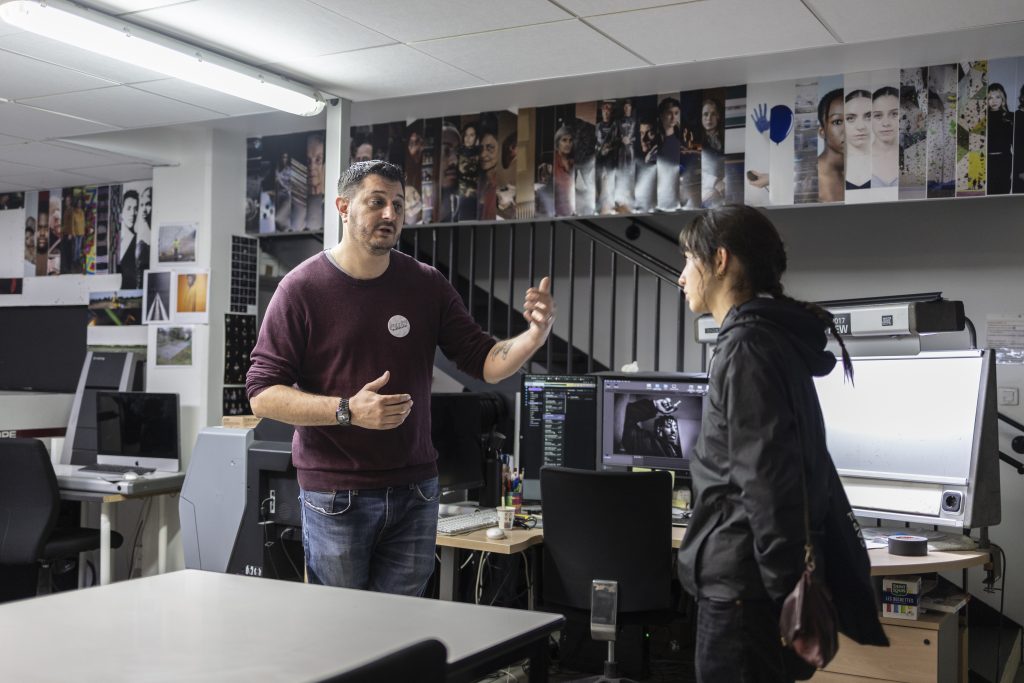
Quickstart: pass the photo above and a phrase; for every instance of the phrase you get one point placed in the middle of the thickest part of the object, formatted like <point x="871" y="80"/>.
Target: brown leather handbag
<point x="808" y="623"/>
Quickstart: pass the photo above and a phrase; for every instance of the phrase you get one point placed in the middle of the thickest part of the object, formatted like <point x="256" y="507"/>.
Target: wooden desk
<point x="193" y="625"/>
<point x="515" y="541"/>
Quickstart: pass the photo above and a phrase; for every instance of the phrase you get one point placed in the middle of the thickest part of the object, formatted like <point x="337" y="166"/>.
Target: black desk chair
<point x="29" y="506"/>
<point x="614" y="526"/>
<point x="423" y="662"/>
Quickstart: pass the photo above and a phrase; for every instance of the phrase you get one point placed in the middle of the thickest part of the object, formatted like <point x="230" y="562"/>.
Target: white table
<point x="168" y="485"/>
<point x="193" y="625"/>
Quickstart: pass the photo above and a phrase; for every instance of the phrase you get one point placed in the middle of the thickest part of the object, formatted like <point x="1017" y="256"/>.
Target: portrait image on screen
<point x="651" y="422"/>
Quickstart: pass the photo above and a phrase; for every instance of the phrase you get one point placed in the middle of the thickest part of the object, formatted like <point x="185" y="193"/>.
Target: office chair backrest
<point x="423" y="662"/>
<point x="607" y="525"/>
<point x="29" y="500"/>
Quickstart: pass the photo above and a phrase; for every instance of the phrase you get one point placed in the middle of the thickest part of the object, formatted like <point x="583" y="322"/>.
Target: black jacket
<point x="761" y="424"/>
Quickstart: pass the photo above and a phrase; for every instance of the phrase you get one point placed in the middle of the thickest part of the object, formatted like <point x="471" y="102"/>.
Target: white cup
<point x="506" y="516"/>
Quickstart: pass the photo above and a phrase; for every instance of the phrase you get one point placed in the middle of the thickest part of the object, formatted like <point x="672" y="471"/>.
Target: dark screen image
<point x="42" y="348"/>
<point x="137" y="424"/>
<point x="457" y="424"/>
<point x="557" y="422"/>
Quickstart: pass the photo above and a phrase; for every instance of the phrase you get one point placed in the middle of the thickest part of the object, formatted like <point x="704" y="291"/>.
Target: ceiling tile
<point x="27" y="77"/>
<point x="262" y="31"/>
<point x="123" y="106"/>
<point x="68" y="56"/>
<point x="8" y="168"/>
<point x="564" y="48"/>
<point x="34" y="124"/>
<point x="389" y="71"/>
<point x="183" y="91"/>
<point x="41" y="179"/>
<point x="49" y="155"/>
<point x="428" y="19"/>
<point x="11" y="186"/>
<point x="856" y="22"/>
<point x="116" y="173"/>
<point x="699" y="31"/>
<point x="589" y="8"/>
<point x="10" y="140"/>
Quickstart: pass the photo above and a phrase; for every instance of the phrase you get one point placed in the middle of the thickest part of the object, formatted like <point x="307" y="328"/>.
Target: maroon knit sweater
<point x="328" y="333"/>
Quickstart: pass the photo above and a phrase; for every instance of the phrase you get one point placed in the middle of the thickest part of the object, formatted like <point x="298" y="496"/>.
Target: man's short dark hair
<point x="352" y="178"/>
<point x="131" y="194"/>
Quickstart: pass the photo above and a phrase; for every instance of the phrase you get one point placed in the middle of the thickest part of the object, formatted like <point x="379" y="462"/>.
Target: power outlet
<point x="1009" y="396"/>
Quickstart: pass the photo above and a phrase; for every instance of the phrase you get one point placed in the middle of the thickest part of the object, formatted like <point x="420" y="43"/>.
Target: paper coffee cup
<point x="506" y="515"/>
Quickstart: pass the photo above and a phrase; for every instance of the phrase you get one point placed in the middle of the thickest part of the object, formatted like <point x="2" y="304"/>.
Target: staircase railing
<point x="617" y="303"/>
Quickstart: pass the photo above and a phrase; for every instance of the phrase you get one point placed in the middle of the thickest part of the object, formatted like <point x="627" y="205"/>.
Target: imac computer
<point x="557" y="425"/>
<point x="137" y="429"/>
<point x="915" y="438"/>
<point x="651" y="420"/>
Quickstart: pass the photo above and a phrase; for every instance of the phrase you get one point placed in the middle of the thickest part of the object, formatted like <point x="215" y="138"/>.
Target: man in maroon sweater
<point x="343" y="328"/>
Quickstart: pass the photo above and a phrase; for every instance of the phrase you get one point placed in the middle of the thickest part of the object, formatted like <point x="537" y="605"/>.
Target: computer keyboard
<point x="116" y="469"/>
<point x="461" y="524"/>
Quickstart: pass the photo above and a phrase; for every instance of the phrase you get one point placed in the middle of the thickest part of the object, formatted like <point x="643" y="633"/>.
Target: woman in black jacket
<point x="744" y="549"/>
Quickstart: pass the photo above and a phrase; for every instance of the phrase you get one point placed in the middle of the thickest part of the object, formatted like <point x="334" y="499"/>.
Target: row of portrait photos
<point x="950" y="130"/>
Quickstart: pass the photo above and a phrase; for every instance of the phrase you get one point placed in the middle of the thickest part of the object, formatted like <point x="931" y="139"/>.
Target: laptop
<point x="134" y="430"/>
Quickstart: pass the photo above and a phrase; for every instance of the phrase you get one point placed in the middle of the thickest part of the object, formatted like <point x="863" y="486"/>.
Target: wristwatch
<point x="343" y="414"/>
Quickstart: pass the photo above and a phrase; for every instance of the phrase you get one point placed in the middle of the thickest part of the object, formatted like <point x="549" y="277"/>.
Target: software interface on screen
<point x="557" y="422"/>
<point x="651" y="422"/>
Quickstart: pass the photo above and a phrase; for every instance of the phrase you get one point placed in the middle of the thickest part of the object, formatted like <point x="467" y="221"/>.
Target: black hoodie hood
<point x="804" y="330"/>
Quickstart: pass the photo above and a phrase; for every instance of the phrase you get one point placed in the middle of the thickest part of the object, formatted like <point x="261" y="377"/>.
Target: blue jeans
<point x="371" y="539"/>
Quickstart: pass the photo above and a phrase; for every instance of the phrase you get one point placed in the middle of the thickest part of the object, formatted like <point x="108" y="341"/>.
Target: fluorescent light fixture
<point x="118" y="39"/>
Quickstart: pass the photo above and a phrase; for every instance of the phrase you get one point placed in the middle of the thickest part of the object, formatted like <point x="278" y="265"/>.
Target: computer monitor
<point x="651" y="420"/>
<point x="915" y="438"/>
<point x="460" y="425"/>
<point x="42" y="348"/>
<point x="137" y="429"/>
<point x="557" y="425"/>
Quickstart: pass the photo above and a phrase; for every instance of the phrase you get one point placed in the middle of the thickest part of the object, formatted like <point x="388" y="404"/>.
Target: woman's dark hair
<point x="886" y="90"/>
<point x="826" y="103"/>
<point x="749" y="236"/>
<point x="854" y="94"/>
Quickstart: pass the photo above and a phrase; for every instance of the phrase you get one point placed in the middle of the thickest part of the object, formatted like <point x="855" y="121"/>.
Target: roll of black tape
<point x="910" y="546"/>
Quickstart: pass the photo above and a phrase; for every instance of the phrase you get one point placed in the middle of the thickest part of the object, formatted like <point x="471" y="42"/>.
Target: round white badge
<point x="398" y="326"/>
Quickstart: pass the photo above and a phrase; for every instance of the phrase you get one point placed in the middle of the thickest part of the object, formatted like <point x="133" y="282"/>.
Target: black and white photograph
<point x="942" y="95"/>
<point x="243" y="274"/>
<point x="691" y="142"/>
<point x="134" y="232"/>
<point x="239" y="340"/>
<point x="656" y="424"/>
<point x="159" y="294"/>
<point x="236" y="402"/>
<point x="913" y="132"/>
<point x="669" y="149"/>
<point x="646" y="147"/>
<point x="1002" y="99"/>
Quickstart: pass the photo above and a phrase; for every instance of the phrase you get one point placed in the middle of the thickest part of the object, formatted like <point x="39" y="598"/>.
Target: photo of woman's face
<point x="709" y="116"/>
<point x="835" y="127"/>
<point x="885" y="118"/>
<point x="858" y="117"/>
<point x="995" y="100"/>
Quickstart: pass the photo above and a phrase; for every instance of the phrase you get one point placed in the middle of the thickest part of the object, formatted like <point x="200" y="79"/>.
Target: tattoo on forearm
<point x="502" y="349"/>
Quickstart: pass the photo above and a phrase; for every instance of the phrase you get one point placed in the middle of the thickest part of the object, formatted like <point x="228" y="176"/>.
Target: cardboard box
<point x="901" y="596"/>
<point x="239" y="421"/>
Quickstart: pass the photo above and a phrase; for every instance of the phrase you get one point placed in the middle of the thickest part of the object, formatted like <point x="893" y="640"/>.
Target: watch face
<point x="343" y="415"/>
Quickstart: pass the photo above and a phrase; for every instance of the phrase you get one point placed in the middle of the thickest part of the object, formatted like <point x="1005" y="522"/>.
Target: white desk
<point x="193" y="625"/>
<point x="106" y="500"/>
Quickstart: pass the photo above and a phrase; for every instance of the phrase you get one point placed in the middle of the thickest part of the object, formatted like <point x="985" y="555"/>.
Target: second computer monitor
<point x="557" y="425"/>
<point x="651" y="421"/>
